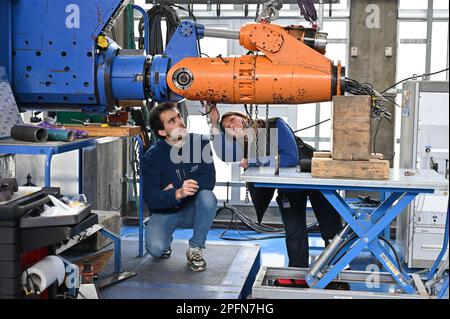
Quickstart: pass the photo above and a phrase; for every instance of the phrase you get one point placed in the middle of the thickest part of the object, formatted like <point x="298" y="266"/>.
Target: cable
<point x="317" y="124"/>
<point x="379" y="110"/>
<point x="415" y="76"/>
<point x="375" y="136"/>
<point x="273" y="232"/>
<point x="156" y="15"/>
<point x="395" y="253"/>
<point x="191" y="15"/>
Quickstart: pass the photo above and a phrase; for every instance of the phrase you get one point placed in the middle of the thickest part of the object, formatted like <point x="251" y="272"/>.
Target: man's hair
<point x="155" y="117"/>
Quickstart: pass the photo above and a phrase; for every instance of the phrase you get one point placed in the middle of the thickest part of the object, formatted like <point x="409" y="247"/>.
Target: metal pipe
<point x="146" y="27"/>
<point x="429" y="39"/>
<point x="329" y="252"/>
<point x="320" y="15"/>
<point x="29" y="133"/>
<point x="61" y="135"/>
<point x="221" y="33"/>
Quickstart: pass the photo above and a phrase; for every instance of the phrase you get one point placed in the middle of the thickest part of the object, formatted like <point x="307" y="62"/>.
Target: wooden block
<point x="351" y="128"/>
<point x="114" y="131"/>
<point x="98" y="261"/>
<point x="322" y="154"/>
<point x="329" y="168"/>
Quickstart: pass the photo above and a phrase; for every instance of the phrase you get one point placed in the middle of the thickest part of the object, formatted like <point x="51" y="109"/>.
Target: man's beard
<point x="178" y="134"/>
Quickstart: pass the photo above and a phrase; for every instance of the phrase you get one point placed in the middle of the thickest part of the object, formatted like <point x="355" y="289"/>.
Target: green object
<point x="78" y="118"/>
<point x="60" y="135"/>
<point x="130" y="27"/>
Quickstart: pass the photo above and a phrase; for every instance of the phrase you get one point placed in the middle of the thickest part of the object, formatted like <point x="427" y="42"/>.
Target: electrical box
<point x="424" y="143"/>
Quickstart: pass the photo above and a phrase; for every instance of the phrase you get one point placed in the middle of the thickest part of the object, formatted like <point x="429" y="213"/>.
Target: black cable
<point x="375" y="136"/>
<point x="379" y="110"/>
<point x="191" y="15"/>
<point x="258" y="6"/>
<point x="414" y="77"/>
<point x="156" y="15"/>
<point x="273" y="232"/>
<point x="317" y="124"/>
<point x="395" y="253"/>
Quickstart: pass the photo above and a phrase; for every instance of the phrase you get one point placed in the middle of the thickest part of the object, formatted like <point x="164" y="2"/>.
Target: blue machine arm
<point x="58" y="57"/>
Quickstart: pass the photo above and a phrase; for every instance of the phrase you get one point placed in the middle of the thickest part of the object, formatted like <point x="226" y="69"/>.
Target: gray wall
<point x="372" y="65"/>
<point x="7" y="166"/>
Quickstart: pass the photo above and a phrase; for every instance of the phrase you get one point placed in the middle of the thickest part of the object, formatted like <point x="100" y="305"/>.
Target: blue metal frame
<point x="440" y="257"/>
<point x="6" y="40"/>
<point x="444" y="289"/>
<point x="146" y="27"/>
<point x="117" y="248"/>
<point x="185" y="37"/>
<point x="367" y="226"/>
<point x="49" y="151"/>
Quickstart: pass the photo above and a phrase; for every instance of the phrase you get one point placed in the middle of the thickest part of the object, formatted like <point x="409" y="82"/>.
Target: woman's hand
<point x="214" y="115"/>
<point x="244" y="163"/>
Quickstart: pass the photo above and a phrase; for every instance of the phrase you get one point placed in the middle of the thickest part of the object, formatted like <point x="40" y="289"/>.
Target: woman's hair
<point x="249" y="122"/>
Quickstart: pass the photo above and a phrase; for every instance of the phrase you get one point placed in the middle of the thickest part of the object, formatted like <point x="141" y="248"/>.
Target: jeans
<point x="198" y="213"/>
<point x="294" y="220"/>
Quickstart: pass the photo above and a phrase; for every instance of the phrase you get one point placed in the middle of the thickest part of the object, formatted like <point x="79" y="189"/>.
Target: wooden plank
<point x="351" y="128"/>
<point x="114" y="131"/>
<point x="322" y="154"/>
<point x="329" y="168"/>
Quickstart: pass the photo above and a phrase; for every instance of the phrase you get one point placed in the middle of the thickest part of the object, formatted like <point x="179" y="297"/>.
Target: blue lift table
<point x="402" y="187"/>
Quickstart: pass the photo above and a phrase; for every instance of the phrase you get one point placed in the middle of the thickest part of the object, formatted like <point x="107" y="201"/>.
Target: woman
<point x="291" y="152"/>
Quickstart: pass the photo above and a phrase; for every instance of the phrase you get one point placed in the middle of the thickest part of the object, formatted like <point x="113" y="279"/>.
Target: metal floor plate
<point x="231" y="270"/>
<point x="9" y="112"/>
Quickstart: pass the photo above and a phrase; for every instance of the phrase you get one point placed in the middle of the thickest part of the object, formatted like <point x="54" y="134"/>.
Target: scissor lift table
<point x="402" y="185"/>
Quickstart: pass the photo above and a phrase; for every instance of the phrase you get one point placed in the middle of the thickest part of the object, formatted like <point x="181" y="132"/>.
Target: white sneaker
<point x="195" y="259"/>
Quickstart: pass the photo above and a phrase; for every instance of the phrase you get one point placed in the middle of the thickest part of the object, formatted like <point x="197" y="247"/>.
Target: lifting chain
<point x="258" y="163"/>
<point x="267" y="133"/>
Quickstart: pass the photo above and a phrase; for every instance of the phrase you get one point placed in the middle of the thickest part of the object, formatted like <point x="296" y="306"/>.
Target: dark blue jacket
<point x="164" y="165"/>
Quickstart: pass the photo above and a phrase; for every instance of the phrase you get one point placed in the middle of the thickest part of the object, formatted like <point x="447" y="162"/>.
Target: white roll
<point x="45" y="272"/>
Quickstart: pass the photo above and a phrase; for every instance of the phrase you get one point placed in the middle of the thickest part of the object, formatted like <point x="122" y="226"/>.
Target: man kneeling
<point x="178" y="180"/>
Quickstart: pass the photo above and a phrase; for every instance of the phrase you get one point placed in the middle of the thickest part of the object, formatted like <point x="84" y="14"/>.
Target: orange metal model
<point x="291" y="70"/>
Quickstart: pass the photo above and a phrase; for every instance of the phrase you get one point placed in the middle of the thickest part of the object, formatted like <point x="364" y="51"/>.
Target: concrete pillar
<point x="373" y="32"/>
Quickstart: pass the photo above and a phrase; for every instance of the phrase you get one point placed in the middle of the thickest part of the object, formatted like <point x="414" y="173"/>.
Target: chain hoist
<point x="258" y="163"/>
<point x="267" y="133"/>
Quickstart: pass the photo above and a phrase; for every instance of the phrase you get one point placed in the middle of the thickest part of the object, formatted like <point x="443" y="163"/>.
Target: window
<point x="413" y="4"/>
<point x="412" y="47"/>
<point x="439" y="50"/>
<point x="440" y="5"/>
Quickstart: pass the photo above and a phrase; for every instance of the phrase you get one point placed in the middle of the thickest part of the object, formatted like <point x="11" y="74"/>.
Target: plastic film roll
<point x="45" y="272"/>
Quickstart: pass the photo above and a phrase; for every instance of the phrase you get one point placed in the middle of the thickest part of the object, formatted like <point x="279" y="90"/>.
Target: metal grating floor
<point x="230" y="273"/>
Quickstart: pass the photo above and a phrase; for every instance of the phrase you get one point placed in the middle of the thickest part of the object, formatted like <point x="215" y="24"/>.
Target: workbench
<point x="403" y="186"/>
<point x="11" y="146"/>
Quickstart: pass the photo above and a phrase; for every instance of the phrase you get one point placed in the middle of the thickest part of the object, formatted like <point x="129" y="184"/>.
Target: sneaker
<point x="195" y="259"/>
<point x="166" y="253"/>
